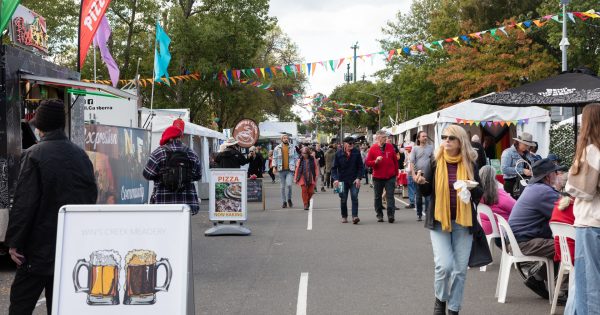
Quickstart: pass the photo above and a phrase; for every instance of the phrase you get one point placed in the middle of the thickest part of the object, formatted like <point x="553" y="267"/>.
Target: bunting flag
<point x="162" y="56"/>
<point x="489" y="123"/>
<point x="101" y="40"/>
<point x="91" y="14"/>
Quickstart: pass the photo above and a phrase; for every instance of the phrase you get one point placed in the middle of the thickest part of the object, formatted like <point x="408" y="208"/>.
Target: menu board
<point x="228" y="195"/>
<point x="255" y="190"/>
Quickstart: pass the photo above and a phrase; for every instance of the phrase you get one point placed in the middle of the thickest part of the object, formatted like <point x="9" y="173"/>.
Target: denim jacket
<point x="278" y="157"/>
<point x="509" y="159"/>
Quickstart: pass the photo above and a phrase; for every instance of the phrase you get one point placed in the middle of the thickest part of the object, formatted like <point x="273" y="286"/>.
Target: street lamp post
<point x="379" y="104"/>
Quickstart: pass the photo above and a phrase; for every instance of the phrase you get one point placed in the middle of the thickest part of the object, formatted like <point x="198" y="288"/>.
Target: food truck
<point x="26" y="78"/>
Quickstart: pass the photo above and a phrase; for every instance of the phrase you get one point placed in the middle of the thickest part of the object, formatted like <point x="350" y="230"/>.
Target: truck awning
<point x="78" y="85"/>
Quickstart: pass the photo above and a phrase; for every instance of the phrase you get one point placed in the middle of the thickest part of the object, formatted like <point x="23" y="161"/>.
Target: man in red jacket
<point x="382" y="159"/>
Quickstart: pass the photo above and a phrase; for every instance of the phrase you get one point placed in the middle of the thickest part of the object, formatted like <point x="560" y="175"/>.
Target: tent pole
<point x="575" y="128"/>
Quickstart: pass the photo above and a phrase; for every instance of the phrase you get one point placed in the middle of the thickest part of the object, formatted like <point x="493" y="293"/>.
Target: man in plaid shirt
<point x="171" y="139"/>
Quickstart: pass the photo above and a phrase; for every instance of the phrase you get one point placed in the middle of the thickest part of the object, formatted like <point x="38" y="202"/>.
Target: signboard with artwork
<point x="228" y="195"/>
<point x="28" y="30"/>
<point x="108" y="261"/>
<point x="119" y="155"/>
<point x="246" y="132"/>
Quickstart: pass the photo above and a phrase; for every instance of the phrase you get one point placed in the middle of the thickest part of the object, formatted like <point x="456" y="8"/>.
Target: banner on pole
<point x="90" y="16"/>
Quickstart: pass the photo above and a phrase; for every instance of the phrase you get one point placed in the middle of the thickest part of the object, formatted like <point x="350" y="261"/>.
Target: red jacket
<point x="386" y="168"/>
<point x="563" y="216"/>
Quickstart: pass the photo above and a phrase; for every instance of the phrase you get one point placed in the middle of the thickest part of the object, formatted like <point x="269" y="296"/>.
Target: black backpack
<point x="177" y="172"/>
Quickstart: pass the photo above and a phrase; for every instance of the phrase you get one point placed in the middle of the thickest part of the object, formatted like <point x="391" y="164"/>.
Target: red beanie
<point x="170" y="133"/>
<point x="179" y="123"/>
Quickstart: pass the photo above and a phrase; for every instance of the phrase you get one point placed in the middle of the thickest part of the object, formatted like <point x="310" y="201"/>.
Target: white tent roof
<point x="570" y="121"/>
<point x="473" y="111"/>
<point x="190" y="129"/>
<point x="274" y="129"/>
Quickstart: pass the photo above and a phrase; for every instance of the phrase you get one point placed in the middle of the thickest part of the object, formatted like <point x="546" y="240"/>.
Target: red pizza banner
<point x="90" y="16"/>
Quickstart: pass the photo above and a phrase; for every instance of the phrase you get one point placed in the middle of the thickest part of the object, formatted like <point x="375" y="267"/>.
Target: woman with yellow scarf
<point x="450" y="218"/>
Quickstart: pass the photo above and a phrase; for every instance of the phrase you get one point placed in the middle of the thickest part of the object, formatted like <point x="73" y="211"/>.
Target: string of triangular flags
<point x="490" y="123"/>
<point x="228" y="77"/>
<point x="328" y="105"/>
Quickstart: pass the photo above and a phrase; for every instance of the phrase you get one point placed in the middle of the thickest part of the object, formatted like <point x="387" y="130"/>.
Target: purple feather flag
<point x="101" y="40"/>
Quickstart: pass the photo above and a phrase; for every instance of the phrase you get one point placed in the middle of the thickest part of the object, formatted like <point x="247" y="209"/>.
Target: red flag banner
<point x="90" y="16"/>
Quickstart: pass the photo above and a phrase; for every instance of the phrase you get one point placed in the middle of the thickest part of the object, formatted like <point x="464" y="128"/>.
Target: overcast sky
<point x="325" y="29"/>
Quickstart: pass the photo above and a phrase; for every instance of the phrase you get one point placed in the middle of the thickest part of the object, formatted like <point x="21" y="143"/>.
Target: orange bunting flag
<point x="340" y="63"/>
<point x="390" y="55"/>
<point x="539" y="23"/>
<point x="314" y="67"/>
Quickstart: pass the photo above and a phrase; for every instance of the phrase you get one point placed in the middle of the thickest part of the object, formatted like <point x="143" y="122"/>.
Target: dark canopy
<point x="571" y="89"/>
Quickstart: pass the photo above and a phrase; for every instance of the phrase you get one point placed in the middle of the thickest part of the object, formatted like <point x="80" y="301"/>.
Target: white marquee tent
<point x="434" y="123"/>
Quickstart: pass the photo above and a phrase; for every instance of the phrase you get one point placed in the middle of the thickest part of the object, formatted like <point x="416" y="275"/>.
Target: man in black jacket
<point x="320" y="155"/>
<point x="256" y="163"/>
<point x="229" y="156"/>
<point x="348" y="169"/>
<point x="54" y="172"/>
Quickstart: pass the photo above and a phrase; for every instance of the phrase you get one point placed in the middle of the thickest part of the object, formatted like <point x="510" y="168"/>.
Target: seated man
<point x="530" y="217"/>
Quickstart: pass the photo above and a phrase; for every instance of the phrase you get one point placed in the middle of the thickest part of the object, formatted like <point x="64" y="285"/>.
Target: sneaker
<point x="355" y="220"/>
<point x="284" y="205"/>
<point x="379" y="219"/>
<point x="344" y="220"/>
<point x="322" y="189"/>
<point x="306" y="207"/>
<point x="410" y="206"/>
<point x="391" y="220"/>
<point x="419" y="218"/>
<point x="290" y="203"/>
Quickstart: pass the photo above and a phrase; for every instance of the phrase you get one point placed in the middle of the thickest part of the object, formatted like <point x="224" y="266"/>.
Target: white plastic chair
<point x="517" y="256"/>
<point x="563" y="231"/>
<point x="487" y="211"/>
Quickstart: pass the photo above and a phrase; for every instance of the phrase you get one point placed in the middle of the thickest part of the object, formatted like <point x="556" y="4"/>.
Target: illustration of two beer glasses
<point x="141" y="270"/>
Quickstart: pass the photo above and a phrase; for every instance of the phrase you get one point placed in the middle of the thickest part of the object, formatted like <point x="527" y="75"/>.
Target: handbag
<point x="480" y="251"/>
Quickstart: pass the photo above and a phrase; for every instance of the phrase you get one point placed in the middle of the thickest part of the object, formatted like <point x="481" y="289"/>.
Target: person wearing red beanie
<point x="171" y="132"/>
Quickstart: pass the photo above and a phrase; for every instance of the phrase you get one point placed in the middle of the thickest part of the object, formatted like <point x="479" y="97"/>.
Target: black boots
<point x="439" y="308"/>
<point x="450" y="312"/>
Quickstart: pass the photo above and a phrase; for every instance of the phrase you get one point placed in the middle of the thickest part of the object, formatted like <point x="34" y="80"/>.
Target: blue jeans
<point x="587" y="271"/>
<point x="412" y="188"/>
<point x="419" y="202"/>
<point x="451" y="256"/>
<point x="286" y="178"/>
<point x="344" y="199"/>
<point x="378" y="186"/>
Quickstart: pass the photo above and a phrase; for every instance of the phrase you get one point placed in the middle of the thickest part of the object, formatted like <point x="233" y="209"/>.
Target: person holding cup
<point x="450" y="215"/>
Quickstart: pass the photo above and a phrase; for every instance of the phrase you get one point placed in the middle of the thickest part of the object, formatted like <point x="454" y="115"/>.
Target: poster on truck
<point x="119" y="155"/>
<point x="228" y="195"/>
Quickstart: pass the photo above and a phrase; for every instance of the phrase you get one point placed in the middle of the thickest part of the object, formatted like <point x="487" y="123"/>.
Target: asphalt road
<point x="293" y="265"/>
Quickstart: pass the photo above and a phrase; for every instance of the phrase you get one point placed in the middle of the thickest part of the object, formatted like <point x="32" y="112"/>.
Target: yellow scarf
<point x="442" y="194"/>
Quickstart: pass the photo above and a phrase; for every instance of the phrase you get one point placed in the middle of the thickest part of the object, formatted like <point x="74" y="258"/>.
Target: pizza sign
<point x="28" y="30"/>
<point x="246" y="133"/>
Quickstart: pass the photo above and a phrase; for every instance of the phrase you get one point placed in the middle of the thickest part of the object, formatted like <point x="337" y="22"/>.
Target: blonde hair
<point x="469" y="155"/>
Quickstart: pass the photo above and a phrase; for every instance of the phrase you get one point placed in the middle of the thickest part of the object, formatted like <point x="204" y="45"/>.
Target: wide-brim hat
<point x="542" y="168"/>
<point x="525" y="138"/>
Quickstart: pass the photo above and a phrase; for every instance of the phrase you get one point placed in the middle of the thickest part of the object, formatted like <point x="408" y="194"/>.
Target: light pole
<point x="564" y="42"/>
<point x="355" y="47"/>
<point x="379" y="103"/>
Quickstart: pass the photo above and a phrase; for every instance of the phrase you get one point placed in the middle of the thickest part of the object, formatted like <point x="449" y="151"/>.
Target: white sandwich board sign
<point x="123" y="259"/>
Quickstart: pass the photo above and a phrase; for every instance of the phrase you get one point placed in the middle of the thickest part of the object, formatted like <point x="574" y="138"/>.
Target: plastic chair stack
<point x="563" y="231"/>
<point x="487" y="211"/>
<point x="509" y="259"/>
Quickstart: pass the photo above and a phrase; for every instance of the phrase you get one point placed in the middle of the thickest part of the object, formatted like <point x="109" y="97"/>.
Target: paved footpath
<point x="307" y="262"/>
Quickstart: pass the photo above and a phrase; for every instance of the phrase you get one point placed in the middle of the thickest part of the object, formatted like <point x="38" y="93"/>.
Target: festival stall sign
<point x="119" y="155"/>
<point x="111" y="110"/>
<point x="228" y="195"/>
<point x="28" y="30"/>
<point x="123" y="259"/>
<point x="246" y="133"/>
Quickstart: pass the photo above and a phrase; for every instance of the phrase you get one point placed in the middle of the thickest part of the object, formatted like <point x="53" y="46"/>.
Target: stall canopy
<point x="78" y="86"/>
<point x="537" y="120"/>
<point x="274" y="129"/>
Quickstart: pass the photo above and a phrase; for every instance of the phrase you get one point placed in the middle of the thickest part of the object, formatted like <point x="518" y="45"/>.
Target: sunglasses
<point x="451" y="138"/>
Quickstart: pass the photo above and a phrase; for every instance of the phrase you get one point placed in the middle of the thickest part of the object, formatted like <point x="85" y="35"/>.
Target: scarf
<point x="442" y="194"/>
<point x="307" y="171"/>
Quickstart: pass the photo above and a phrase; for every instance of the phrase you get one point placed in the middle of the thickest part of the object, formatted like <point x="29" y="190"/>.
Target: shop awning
<point x="92" y="87"/>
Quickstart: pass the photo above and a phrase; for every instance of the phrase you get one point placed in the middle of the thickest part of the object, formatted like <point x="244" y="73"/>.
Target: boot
<point x="451" y="312"/>
<point x="439" y="308"/>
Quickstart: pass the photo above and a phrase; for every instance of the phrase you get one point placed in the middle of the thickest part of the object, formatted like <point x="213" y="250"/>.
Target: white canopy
<point x="274" y="129"/>
<point x="538" y="124"/>
<point x="570" y="121"/>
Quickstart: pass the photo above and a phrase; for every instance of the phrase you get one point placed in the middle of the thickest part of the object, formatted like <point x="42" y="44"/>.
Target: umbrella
<point x="569" y="89"/>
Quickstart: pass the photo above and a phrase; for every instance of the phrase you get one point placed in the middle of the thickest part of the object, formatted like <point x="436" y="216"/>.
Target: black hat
<point x="50" y="115"/>
<point x="349" y="140"/>
<point x="542" y="168"/>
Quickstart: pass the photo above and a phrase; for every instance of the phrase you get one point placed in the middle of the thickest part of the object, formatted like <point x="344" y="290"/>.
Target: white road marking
<point x="40" y="302"/>
<point x="302" y="294"/>
<point x="401" y="201"/>
<point x="310" y="213"/>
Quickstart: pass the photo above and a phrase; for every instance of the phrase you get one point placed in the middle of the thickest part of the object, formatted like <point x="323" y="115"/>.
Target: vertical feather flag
<point x="101" y="40"/>
<point x="91" y="12"/>
<point x="162" y="56"/>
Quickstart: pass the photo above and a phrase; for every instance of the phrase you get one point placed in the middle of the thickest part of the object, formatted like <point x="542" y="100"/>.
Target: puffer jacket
<point x="54" y="173"/>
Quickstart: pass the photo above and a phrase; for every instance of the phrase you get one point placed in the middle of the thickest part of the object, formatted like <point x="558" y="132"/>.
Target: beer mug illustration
<point x="103" y="277"/>
<point x="141" y="269"/>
